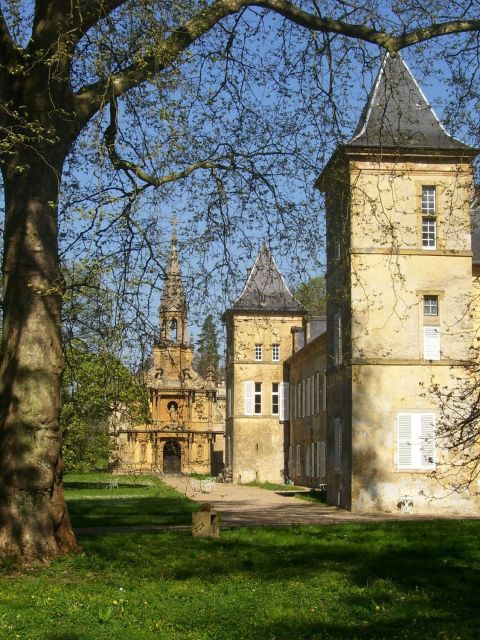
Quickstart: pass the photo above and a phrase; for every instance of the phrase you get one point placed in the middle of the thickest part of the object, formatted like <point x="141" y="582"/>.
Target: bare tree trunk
<point x="34" y="523"/>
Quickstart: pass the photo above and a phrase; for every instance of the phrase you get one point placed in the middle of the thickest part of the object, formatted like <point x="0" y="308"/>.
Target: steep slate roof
<point x="397" y="114"/>
<point x="265" y="289"/>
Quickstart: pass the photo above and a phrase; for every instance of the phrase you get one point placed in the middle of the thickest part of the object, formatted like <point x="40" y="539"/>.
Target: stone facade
<point x="400" y="317"/>
<point x="187" y="427"/>
<point x="258" y="341"/>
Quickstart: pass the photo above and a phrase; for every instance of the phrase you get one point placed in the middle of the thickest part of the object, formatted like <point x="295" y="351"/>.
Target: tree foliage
<point x="312" y="294"/>
<point x="208" y="356"/>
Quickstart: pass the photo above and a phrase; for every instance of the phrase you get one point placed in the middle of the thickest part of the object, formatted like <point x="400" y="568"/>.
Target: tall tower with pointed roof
<point x="173" y="307"/>
<point x="398" y="288"/>
<point x="259" y="339"/>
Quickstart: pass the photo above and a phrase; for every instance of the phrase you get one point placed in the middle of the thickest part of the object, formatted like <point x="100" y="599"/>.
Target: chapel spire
<point x="173" y="307"/>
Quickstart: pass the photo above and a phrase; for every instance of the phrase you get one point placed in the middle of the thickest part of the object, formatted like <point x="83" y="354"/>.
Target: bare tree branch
<point x="92" y="97"/>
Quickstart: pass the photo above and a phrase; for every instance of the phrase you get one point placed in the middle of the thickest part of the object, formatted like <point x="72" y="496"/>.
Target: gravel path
<point x="240" y="505"/>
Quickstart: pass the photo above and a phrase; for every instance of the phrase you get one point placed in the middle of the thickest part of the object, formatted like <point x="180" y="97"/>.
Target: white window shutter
<point x="431" y="343"/>
<point x="405" y="440"/>
<point x="249" y="400"/>
<point x="427" y="440"/>
<point x="284" y="401"/>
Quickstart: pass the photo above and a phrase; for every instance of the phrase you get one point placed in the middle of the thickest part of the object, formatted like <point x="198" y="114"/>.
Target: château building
<point x="364" y="420"/>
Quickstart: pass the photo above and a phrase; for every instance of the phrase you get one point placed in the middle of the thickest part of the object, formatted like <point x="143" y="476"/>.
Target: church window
<point x="258" y="352"/>
<point x="415" y="440"/>
<point x="173" y="329"/>
<point x="258" y="398"/>
<point x="275" y="352"/>
<point x="275" y="399"/>
<point x="430" y="305"/>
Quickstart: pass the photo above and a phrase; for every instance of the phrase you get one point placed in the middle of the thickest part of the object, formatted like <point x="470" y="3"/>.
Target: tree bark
<point x="34" y="524"/>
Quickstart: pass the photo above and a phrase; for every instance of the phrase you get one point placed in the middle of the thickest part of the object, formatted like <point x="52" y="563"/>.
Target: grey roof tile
<point x="265" y="289"/>
<point x="397" y="114"/>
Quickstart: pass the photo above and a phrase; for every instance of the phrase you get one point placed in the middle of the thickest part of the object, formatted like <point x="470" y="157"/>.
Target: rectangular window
<point x="324" y="391"/>
<point x="304" y="397"/>
<point x="317" y="392"/>
<point x="337" y="339"/>
<point x="229" y="403"/>
<point x="415" y="440"/>
<point x="321" y="459"/>
<point x="258" y="352"/>
<point x="308" y="461"/>
<point x="275" y="398"/>
<point x="258" y="398"/>
<point x="275" y="353"/>
<point x="299" y="400"/>
<point x="431" y="343"/>
<point x="337" y="443"/>
<point x="298" y="466"/>
<point x="428" y="200"/>
<point x="336" y="250"/>
<point x="429" y="233"/>
<point x="307" y="393"/>
<point x="430" y="305"/>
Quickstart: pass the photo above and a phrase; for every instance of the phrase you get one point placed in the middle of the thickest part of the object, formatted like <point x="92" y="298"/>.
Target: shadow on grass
<point x="122" y="512"/>
<point x="420" y="576"/>
<point x="72" y="484"/>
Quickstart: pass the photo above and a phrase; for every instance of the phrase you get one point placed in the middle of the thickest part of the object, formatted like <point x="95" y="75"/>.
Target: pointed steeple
<point x="265" y="289"/>
<point x="398" y="115"/>
<point x="173" y="307"/>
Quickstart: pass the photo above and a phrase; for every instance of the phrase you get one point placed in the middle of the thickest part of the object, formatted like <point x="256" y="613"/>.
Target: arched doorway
<point x="171" y="457"/>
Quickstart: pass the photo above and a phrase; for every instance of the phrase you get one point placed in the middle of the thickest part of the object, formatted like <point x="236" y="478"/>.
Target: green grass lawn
<point x="409" y="580"/>
<point x="273" y="486"/>
<point x="138" y="500"/>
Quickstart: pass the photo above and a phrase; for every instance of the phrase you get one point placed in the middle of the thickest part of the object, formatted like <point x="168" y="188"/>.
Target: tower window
<point x="173" y="329"/>
<point x="430" y="305"/>
<point x="429" y="232"/>
<point x="429" y="200"/>
<point x="275" y="398"/>
<point x="337" y="339"/>
<point x="258" y="352"/>
<point x="258" y="398"/>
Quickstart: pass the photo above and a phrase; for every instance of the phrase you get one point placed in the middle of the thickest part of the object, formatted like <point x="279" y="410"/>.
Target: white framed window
<point x="430" y="305"/>
<point x="249" y="388"/>
<point x="258" y="398"/>
<point x="258" y="353"/>
<point x="275" y="399"/>
<point x="415" y="440"/>
<point x="284" y="401"/>
<point x="429" y="233"/>
<point x="337" y="339"/>
<point x="431" y="343"/>
<point x="337" y="442"/>
<point x="275" y="353"/>
<point x="292" y="400"/>
<point x="299" y="400"/>
<point x="304" y="398"/>
<point x="429" y="204"/>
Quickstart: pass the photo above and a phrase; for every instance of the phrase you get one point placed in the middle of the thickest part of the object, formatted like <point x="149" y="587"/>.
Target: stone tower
<point x="399" y="284"/>
<point x="259" y="339"/>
